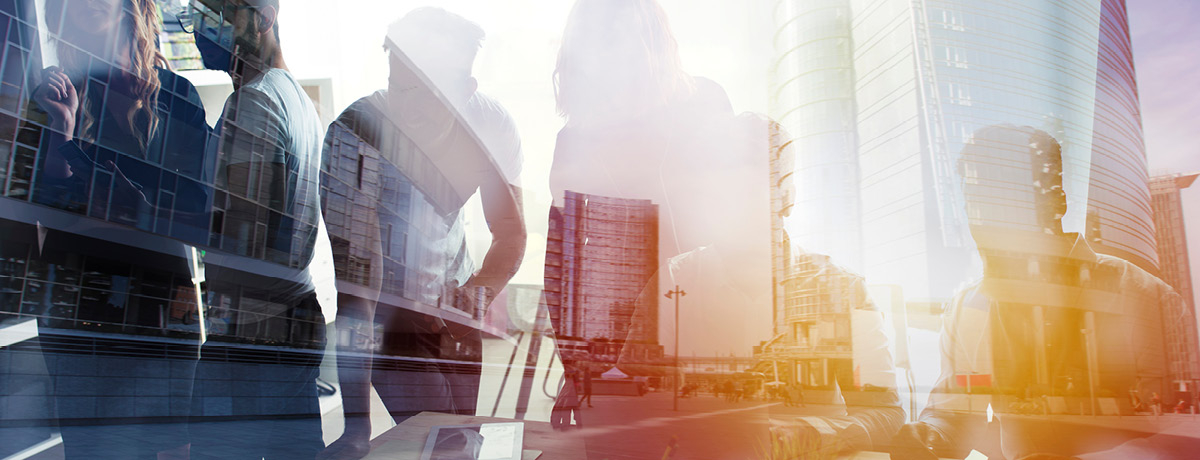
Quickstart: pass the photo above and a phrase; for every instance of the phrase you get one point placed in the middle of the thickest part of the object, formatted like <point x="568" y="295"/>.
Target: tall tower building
<point x="601" y="290"/>
<point x="814" y="101"/>
<point x="1172" y="239"/>
<point x="881" y="96"/>
<point x="1119" y="196"/>
<point x="1182" y="340"/>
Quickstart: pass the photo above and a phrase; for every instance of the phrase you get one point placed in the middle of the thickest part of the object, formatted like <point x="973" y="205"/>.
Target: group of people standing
<point x="263" y="183"/>
<point x="277" y="192"/>
<point x="106" y="113"/>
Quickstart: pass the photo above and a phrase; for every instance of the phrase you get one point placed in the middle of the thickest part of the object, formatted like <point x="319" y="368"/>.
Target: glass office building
<point x="601" y="285"/>
<point x="813" y="98"/>
<point x="1119" y="195"/>
<point x="911" y="82"/>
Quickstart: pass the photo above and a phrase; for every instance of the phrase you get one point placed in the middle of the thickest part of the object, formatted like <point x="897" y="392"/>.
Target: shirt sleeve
<point x="498" y="132"/>
<point x="253" y="129"/>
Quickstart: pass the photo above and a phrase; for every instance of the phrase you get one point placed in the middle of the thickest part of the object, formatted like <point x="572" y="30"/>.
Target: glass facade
<point x="1117" y="194"/>
<point x="601" y="284"/>
<point x="813" y="98"/>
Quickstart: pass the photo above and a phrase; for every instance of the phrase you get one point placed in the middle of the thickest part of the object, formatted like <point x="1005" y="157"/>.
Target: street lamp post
<point x="676" y="294"/>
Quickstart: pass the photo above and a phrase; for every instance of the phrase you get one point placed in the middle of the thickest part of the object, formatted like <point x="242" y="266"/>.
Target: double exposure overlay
<point x="589" y="229"/>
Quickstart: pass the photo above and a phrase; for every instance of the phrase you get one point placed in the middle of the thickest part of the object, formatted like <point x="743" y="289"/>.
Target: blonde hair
<point x="141" y="25"/>
<point x="653" y="47"/>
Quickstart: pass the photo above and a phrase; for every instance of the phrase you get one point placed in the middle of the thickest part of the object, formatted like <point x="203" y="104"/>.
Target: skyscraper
<point x="1118" y="194"/>
<point x="600" y="284"/>
<point x="881" y="96"/>
<point x="1172" y="241"/>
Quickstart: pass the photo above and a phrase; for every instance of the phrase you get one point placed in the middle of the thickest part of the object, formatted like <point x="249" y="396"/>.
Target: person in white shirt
<point x="401" y="165"/>
<point x="268" y="151"/>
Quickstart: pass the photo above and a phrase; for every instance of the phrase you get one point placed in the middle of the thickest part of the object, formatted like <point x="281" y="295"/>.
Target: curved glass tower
<point x="813" y="98"/>
<point x="1119" y="195"/>
<point x="880" y="96"/>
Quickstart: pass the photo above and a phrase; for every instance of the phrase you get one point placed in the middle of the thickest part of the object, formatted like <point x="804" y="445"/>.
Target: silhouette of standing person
<point x="124" y="142"/>
<point x="417" y="152"/>
<point x="268" y="166"/>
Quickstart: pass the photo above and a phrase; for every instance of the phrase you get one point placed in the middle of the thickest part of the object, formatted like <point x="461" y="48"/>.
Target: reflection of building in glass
<point x="813" y="299"/>
<point x="601" y="290"/>
<point x="179" y="192"/>
<point x="782" y="201"/>
<point x="889" y="91"/>
<point x="1119" y="329"/>
<point x="391" y="215"/>
<point x="1050" y="315"/>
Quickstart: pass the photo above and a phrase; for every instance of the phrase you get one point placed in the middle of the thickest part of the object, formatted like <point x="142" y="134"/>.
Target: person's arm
<point x="500" y="195"/>
<point x="251" y="138"/>
<point x="188" y="149"/>
<point x="873" y="416"/>
<point x="502" y="211"/>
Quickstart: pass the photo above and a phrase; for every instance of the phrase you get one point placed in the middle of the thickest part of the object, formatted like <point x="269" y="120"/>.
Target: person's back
<point x="272" y="115"/>
<point x="268" y="151"/>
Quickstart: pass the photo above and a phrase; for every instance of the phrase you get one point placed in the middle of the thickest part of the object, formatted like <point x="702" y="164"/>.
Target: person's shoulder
<point x="363" y="118"/>
<point x="279" y="78"/>
<point x="371" y="105"/>
<point x="498" y="132"/>
<point x="968" y="294"/>
<point x="274" y="85"/>
<point x="1131" y="275"/>
<point x="484" y="112"/>
<point x="483" y="105"/>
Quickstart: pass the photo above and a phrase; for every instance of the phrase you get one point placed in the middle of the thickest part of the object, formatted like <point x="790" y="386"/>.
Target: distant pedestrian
<point x="1156" y="403"/>
<point x="567" y="403"/>
<point x="587" y="387"/>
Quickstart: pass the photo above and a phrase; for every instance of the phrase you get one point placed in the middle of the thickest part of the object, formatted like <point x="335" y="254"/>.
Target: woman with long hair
<point x="116" y="116"/>
<point x="639" y="127"/>
<point x="123" y="139"/>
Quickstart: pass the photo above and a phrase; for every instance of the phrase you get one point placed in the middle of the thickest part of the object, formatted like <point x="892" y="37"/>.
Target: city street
<point x="705" y="427"/>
